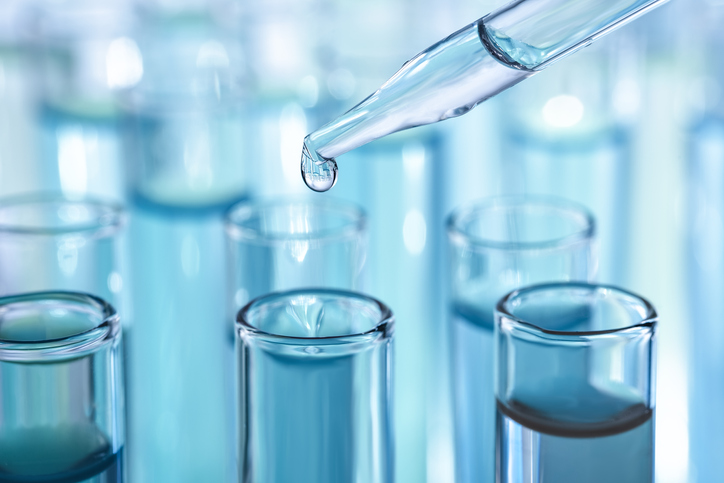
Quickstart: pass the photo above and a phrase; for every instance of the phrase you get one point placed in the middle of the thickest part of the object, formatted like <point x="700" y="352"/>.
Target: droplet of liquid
<point x="319" y="173"/>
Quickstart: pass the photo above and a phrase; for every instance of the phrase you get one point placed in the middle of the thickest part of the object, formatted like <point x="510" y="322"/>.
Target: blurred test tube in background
<point x="705" y="246"/>
<point x="283" y="244"/>
<point x="54" y="243"/>
<point x="83" y="56"/>
<point x="186" y="157"/>
<point x="562" y="136"/>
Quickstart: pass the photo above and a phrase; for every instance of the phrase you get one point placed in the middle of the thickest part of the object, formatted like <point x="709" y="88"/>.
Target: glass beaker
<point x="49" y="242"/>
<point x="283" y="244"/>
<point x="575" y="385"/>
<point x="498" y="245"/>
<point x="61" y="389"/>
<point x="314" y="370"/>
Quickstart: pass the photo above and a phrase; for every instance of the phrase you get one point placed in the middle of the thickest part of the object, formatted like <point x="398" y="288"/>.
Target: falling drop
<point x="319" y="173"/>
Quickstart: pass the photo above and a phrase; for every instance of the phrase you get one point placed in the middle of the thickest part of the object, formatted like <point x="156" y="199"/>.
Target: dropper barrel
<point x="473" y="64"/>
<point x="536" y="33"/>
<point x="446" y="80"/>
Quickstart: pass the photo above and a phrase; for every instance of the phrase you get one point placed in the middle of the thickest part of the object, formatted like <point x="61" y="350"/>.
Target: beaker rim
<point x="648" y="316"/>
<point x="101" y="219"/>
<point x="382" y="328"/>
<point x="73" y="345"/>
<point x="353" y="220"/>
<point x="577" y="214"/>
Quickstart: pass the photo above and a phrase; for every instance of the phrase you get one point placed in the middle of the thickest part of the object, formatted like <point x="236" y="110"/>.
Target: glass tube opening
<point x="325" y="316"/>
<point x="575" y="310"/>
<point x="521" y="223"/>
<point x="272" y="222"/>
<point x="56" y="215"/>
<point x="43" y="326"/>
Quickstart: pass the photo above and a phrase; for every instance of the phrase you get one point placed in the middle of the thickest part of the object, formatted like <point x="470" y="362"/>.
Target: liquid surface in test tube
<point x="75" y="453"/>
<point x="613" y="441"/>
<point x="514" y="61"/>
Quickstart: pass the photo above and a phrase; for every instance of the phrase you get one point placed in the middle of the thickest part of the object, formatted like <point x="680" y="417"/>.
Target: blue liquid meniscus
<point x="60" y="454"/>
<point x="611" y="441"/>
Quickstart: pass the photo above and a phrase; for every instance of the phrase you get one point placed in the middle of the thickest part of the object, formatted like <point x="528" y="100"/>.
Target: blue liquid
<point x="58" y="455"/>
<point x="472" y="334"/>
<point x="309" y="435"/>
<point x="180" y="345"/>
<point x="617" y="447"/>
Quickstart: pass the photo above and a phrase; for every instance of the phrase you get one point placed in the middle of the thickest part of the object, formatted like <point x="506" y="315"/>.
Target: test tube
<point x="84" y="56"/>
<point x="498" y="245"/>
<point x="705" y="282"/>
<point x="61" y="389"/>
<point x="314" y="388"/>
<point x="283" y="244"/>
<point x="574" y="385"/>
<point x="185" y="154"/>
<point x="50" y="242"/>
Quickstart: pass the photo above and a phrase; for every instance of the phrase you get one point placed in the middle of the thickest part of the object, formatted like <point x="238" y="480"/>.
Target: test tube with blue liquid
<point x="61" y="389"/>
<point x="575" y="385"/>
<point x="471" y="65"/>
<point x="186" y="166"/>
<point x="498" y="245"/>
<point x="314" y="388"/>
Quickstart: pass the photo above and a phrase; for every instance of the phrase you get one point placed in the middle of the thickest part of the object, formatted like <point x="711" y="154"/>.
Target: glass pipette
<point x="468" y="67"/>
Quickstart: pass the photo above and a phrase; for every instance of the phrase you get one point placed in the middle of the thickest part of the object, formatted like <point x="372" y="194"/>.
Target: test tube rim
<point x="356" y="225"/>
<point x="647" y="323"/>
<point x="114" y="213"/>
<point x="458" y="235"/>
<point x="62" y="348"/>
<point x="383" y="328"/>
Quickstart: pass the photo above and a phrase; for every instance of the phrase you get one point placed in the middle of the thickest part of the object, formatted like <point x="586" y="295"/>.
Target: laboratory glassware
<point x="314" y="388"/>
<point x="61" y="389"/>
<point x="50" y="242"/>
<point x="575" y="385"/>
<point x="705" y="281"/>
<point x="282" y="244"/>
<point x="84" y="55"/>
<point x="471" y="65"/>
<point x="498" y="245"/>
<point x="184" y="142"/>
<point x="567" y="134"/>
